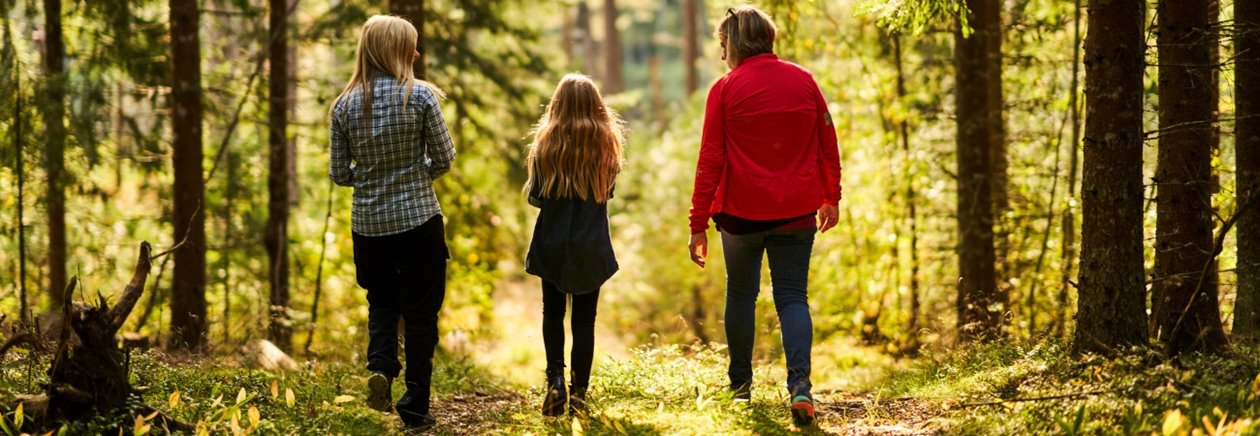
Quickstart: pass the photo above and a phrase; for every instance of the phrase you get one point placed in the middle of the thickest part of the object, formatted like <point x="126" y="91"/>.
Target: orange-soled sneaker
<point x="803" y="410"/>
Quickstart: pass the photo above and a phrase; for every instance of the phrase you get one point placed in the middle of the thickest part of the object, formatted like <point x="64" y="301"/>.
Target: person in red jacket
<point x="768" y="168"/>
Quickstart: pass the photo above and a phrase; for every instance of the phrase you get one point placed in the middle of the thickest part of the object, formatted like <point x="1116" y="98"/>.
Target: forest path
<point x="513" y="353"/>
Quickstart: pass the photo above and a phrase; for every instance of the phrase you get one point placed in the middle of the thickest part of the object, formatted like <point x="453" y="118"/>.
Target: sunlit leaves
<point x="915" y="16"/>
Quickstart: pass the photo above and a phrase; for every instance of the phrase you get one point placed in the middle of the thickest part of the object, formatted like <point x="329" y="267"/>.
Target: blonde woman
<point x="573" y="163"/>
<point x="769" y="166"/>
<point x="389" y="142"/>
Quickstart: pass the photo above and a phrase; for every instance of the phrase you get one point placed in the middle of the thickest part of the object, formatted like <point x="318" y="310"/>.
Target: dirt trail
<point x="516" y="339"/>
<point x="850" y="414"/>
<point x="514" y="351"/>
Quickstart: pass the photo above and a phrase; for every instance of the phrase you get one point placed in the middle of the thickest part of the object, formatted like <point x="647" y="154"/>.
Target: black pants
<point x="584" y="305"/>
<point x="405" y="277"/>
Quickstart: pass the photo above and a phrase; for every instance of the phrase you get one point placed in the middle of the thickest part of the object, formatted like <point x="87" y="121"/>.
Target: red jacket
<point x="768" y="150"/>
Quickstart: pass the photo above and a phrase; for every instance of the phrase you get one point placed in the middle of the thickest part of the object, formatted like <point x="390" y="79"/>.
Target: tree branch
<point x="131" y="294"/>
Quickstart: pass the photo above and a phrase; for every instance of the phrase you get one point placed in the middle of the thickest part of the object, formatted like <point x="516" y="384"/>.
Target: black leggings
<point x="584" y="305"/>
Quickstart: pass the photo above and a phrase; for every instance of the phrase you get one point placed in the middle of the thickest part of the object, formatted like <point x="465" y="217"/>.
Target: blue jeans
<point x="788" y="252"/>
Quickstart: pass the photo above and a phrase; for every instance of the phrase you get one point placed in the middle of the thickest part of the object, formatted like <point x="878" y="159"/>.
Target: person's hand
<point x="828" y="214"/>
<point x="698" y="246"/>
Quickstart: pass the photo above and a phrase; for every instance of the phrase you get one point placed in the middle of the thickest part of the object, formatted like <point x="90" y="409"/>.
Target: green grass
<point x="672" y="389"/>
<point x="1039" y="388"/>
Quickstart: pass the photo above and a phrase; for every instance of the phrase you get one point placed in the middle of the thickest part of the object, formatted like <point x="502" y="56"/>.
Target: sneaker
<point x="378" y="392"/>
<point x="577" y="400"/>
<point x="555" y="398"/>
<point x="803" y="410"/>
<point x="741" y="393"/>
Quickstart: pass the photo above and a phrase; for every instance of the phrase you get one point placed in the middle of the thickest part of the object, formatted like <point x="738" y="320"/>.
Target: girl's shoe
<point x="577" y="400"/>
<point x="803" y="410"/>
<point x="554" y="400"/>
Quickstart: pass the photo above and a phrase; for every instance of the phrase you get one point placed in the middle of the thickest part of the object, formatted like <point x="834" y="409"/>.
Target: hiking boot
<point x="577" y="400"/>
<point x="417" y="422"/>
<point x="803" y="410"/>
<point x="379" y="397"/>
<point x="554" y="399"/>
<point x="414" y="411"/>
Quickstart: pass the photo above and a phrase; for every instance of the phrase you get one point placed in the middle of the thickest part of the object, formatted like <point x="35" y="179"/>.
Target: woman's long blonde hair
<point x="387" y="47"/>
<point x="577" y="144"/>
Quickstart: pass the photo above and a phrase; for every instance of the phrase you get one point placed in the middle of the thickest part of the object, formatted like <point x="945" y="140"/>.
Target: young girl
<point x="389" y="142"/>
<point x="573" y="162"/>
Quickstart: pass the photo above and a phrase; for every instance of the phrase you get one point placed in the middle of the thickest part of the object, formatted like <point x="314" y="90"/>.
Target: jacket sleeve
<point x="711" y="162"/>
<point x="339" y="152"/>
<point x="438" y="146"/>
<point x="829" y="154"/>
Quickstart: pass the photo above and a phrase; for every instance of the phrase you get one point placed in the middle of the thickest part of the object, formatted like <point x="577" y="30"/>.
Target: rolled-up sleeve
<point x="439" y="148"/>
<point x="339" y="153"/>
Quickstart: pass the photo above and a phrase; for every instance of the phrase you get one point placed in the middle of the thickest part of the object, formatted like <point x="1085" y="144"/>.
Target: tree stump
<point x="90" y="376"/>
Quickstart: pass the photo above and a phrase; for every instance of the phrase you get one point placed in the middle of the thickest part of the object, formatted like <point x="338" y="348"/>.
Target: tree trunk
<point x="655" y="83"/>
<point x="188" y="295"/>
<point x="412" y="10"/>
<point x="1183" y="229"/>
<point x="612" y="50"/>
<point x="568" y="36"/>
<point x="55" y="147"/>
<point x="587" y="40"/>
<point x="912" y="324"/>
<point x="291" y="172"/>
<point x="1069" y="217"/>
<point x="1247" y="137"/>
<point x="992" y="26"/>
<point x="20" y="165"/>
<point x="980" y="306"/>
<point x="691" y="45"/>
<point x="1110" y="310"/>
<point x="277" y="235"/>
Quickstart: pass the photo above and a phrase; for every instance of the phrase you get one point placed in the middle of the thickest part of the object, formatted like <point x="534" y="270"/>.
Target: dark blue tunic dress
<point x="571" y="245"/>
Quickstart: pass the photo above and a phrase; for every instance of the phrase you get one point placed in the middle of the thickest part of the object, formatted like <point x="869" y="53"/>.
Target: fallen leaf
<point x="254" y="416"/>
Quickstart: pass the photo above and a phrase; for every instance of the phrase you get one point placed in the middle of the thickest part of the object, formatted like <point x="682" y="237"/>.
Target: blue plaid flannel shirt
<point x="392" y="164"/>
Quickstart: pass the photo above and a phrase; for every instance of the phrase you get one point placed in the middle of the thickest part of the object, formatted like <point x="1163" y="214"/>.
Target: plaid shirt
<point x="393" y="164"/>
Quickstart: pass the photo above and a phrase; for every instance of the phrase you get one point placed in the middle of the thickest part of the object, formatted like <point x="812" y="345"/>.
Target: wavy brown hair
<point x="577" y="144"/>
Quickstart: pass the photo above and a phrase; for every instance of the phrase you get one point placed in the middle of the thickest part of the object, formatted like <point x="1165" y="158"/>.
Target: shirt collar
<point x="760" y="58"/>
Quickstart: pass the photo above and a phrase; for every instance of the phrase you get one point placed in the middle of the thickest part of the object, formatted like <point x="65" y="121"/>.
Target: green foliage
<point x="915" y="16"/>
<point x="1037" y="388"/>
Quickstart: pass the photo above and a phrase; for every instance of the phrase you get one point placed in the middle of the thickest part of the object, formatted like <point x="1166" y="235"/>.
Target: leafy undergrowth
<point x="671" y="389"/>
<point x="218" y="396"/>
<point x="1040" y="388"/>
<point x="656" y="390"/>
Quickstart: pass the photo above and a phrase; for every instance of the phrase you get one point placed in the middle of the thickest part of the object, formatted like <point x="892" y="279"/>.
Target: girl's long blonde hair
<point x="577" y="144"/>
<point x="387" y="47"/>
